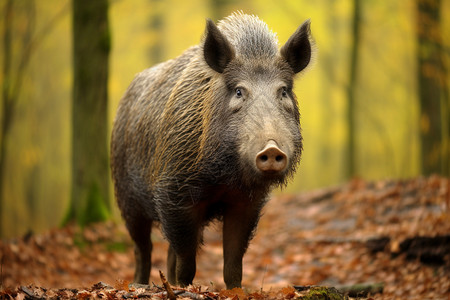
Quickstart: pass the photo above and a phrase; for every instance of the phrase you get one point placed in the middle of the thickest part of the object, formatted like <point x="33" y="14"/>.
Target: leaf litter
<point x="387" y="239"/>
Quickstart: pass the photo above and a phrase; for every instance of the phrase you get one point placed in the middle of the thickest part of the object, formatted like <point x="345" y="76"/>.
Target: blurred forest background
<point x="375" y="104"/>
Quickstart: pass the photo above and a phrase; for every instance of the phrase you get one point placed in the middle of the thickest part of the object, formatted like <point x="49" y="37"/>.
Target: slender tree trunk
<point x="6" y="98"/>
<point x="90" y="173"/>
<point x="432" y="84"/>
<point x="157" y="25"/>
<point x="354" y="54"/>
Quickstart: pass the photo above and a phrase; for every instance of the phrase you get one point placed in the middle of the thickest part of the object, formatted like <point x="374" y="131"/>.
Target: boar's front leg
<point x="180" y="268"/>
<point x="239" y="223"/>
<point x="183" y="235"/>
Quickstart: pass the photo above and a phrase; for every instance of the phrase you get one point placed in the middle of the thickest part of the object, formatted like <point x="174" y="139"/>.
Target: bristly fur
<point x="250" y="36"/>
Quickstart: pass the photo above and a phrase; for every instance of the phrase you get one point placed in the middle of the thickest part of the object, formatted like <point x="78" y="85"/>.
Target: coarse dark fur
<point x="186" y="135"/>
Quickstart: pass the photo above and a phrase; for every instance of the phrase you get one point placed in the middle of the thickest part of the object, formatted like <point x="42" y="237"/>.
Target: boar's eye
<point x="239" y="93"/>
<point x="284" y="92"/>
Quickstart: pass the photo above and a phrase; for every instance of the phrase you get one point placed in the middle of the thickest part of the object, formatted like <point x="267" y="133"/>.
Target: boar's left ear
<point x="297" y="50"/>
<point x="216" y="50"/>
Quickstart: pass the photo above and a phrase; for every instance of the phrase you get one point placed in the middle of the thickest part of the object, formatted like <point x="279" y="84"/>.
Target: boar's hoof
<point x="271" y="159"/>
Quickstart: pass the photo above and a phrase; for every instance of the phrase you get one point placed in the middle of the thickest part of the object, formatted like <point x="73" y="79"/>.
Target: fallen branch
<point x="356" y="290"/>
<point x="170" y="293"/>
<point x="430" y="250"/>
<point x="193" y="296"/>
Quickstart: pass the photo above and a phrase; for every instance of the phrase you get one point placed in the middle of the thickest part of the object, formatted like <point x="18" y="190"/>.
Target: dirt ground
<point x="393" y="233"/>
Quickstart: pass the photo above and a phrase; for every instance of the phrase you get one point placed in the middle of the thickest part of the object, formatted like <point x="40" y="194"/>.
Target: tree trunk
<point x="157" y="26"/>
<point x="6" y="98"/>
<point x="90" y="168"/>
<point x="432" y="85"/>
<point x="351" y="146"/>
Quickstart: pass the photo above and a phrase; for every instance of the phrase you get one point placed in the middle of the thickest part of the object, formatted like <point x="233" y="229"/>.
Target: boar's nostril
<point x="271" y="159"/>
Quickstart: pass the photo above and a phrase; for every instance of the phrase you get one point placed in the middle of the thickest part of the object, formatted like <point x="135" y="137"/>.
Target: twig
<point x="166" y="284"/>
<point x="192" y="295"/>
<point x="28" y="292"/>
<point x="264" y="275"/>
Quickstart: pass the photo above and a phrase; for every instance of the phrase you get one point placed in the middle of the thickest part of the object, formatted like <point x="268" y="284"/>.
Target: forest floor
<point x="393" y="236"/>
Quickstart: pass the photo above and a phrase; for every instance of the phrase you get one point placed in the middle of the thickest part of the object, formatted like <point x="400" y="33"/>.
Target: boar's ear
<point x="297" y="50"/>
<point x="216" y="50"/>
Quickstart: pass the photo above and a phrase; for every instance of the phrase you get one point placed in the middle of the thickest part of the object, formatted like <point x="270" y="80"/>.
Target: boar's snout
<point x="271" y="160"/>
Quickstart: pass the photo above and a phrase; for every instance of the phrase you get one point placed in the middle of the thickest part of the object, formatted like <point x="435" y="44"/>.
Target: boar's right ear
<point x="297" y="50"/>
<point x="216" y="50"/>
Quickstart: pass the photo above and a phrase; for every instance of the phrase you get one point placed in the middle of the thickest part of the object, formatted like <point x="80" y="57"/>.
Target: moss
<point x="325" y="293"/>
<point x="95" y="209"/>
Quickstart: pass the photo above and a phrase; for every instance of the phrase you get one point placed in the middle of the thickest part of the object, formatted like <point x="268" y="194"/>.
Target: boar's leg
<point x="140" y="229"/>
<point x="171" y="266"/>
<point x="183" y="235"/>
<point x="185" y="267"/>
<point x="239" y="223"/>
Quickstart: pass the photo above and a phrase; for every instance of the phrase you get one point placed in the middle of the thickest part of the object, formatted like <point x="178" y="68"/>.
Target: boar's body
<point x="205" y="136"/>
